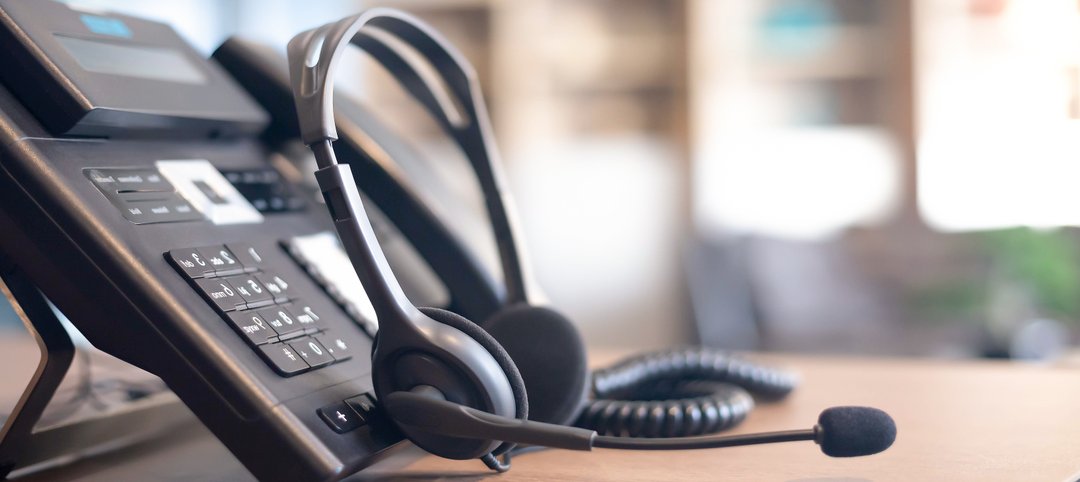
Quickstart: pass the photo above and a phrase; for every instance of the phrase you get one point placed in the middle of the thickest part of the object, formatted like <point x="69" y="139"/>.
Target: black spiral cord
<point x="679" y="393"/>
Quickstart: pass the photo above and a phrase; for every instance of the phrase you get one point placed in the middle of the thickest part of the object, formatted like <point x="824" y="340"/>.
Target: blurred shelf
<point x="852" y="53"/>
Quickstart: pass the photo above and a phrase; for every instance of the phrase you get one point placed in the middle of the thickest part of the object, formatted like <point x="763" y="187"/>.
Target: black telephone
<point x="163" y="208"/>
<point x="144" y="192"/>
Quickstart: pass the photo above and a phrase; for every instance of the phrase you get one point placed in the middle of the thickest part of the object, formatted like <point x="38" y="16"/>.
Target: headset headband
<point x="313" y="58"/>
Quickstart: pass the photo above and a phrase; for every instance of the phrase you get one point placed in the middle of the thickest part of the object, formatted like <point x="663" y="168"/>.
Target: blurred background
<point x="838" y="176"/>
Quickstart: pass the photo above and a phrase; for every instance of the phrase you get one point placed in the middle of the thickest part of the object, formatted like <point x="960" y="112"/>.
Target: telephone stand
<point x="57" y="351"/>
<point x="25" y="445"/>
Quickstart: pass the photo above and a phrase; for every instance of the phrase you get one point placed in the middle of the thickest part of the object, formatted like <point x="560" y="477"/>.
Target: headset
<point x="461" y="391"/>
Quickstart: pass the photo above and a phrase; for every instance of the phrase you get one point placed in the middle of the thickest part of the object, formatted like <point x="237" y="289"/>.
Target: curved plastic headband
<point x="313" y="58"/>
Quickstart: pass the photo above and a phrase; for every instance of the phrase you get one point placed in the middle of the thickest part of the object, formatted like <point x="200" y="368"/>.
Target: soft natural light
<point x="1000" y="177"/>
<point x="999" y="142"/>
<point x="803" y="183"/>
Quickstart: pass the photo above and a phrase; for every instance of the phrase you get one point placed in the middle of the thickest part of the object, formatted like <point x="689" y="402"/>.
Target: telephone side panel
<point x="116" y="281"/>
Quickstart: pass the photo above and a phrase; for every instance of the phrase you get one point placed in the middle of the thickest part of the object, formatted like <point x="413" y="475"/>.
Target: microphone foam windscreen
<point x="855" y="431"/>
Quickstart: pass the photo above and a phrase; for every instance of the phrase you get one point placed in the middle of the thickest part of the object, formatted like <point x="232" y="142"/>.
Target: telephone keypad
<point x="220" y="293"/>
<point x="289" y="333"/>
<point x="247" y="255"/>
<point x="191" y="263"/>
<point x="307" y="318"/>
<point x="283" y="358"/>
<point x="253" y="292"/>
<point x="221" y="260"/>
<point x="336" y="346"/>
<point x="252" y="325"/>
<point x="312" y="352"/>
<point x="275" y="285"/>
<point x="283" y="322"/>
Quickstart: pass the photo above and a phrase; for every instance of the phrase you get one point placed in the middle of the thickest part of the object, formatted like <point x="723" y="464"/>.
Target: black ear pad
<point x="521" y="398"/>
<point x="548" y="350"/>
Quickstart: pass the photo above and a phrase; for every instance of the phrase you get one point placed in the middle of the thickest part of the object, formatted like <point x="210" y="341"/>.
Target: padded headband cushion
<point x="449" y="318"/>
<point x="548" y="350"/>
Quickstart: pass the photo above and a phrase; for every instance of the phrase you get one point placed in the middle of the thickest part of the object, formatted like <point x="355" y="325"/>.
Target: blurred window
<point x="999" y="99"/>
<point x="787" y="104"/>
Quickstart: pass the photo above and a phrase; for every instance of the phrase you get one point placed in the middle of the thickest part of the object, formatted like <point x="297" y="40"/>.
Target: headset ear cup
<point x="550" y="354"/>
<point x="517" y="384"/>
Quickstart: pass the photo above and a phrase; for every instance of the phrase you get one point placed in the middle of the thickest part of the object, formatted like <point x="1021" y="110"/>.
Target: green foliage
<point x="965" y="299"/>
<point x="1046" y="261"/>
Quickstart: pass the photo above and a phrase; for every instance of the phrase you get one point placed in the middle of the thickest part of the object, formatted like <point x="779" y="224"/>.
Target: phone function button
<point x="222" y="260"/>
<point x="139" y="180"/>
<point x="190" y="262"/>
<point x="220" y="293"/>
<point x="335" y="345"/>
<point x="283" y="322"/>
<point x="253" y="292"/>
<point x="283" y="358"/>
<point x="252" y="326"/>
<point x="340" y="417"/>
<point x="135" y="196"/>
<point x="170" y="209"/>
<point x="312" y="352"/>
<point x="247" y="255"/>
<point x="362" y="404"/>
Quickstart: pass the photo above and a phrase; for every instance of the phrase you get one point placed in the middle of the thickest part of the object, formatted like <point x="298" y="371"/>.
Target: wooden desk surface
<point x="957" y="421"/>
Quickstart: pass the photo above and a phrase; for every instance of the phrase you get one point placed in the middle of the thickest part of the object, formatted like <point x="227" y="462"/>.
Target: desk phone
<point x="152" y="195"/>
<point x="159" y="200"/>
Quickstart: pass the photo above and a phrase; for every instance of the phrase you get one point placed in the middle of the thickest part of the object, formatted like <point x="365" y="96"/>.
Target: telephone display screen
<point x="133" y="61"/>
